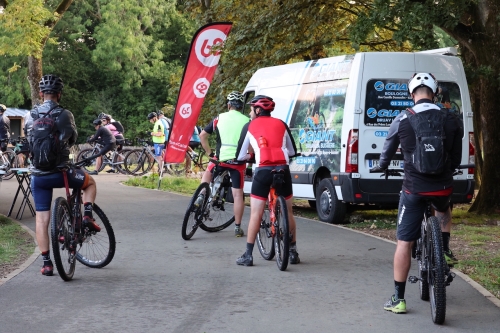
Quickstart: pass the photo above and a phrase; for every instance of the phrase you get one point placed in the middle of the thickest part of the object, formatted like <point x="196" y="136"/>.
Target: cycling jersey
<point x="270" y="139"/>
<point x="158" y="128"/>
<point x="402" y="133"/>
<point x="103" y="136"/>
<point x="227" y="126"/>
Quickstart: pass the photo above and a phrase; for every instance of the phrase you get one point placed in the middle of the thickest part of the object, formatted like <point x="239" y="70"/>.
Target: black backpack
<point x="118" y="126"/>
<point x="429" y="156"/>
<point x="46" y="148"/>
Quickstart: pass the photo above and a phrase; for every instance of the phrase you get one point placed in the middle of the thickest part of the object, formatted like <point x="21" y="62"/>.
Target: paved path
<point x="157" y="282"/>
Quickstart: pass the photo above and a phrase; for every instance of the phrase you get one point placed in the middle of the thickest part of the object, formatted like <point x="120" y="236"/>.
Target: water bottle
<point x="262" y="142"/>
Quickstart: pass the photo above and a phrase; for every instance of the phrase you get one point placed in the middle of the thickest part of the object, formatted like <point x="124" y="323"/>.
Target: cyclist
<point x="194" y="143"/>
<point x="418" y="187"/>
<point x="271" y="140"/>
<point x="158" y="135"/>
<point x="104" y="137"/>
<point x="109" y="123"/>
<point x="42" y="182"/>
<point x="227" y="127"/>
<point x="4" y="128"/>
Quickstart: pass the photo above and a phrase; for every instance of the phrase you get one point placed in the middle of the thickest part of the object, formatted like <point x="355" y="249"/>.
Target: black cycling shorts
<point x="107" y="147"/>
<point x="263" y="179"/>
<point x="194" y="144"/>
<point x="236" y="172"/>
<point x="411" y="212"/>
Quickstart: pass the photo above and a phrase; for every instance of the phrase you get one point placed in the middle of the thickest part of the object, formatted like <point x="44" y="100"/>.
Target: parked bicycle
<point x="208" y="209"/>
<point x="198" y="158"/>
<point x="7" y="159"/>
<point x="140" y="161"/>
<point x="434" y="274"/>
<point x="72" y="242"/>
<point x="21" y="149"/>
<point x="114" y="158"/>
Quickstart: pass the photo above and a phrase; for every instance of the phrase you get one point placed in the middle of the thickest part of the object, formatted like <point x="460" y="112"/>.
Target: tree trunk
<point x="34" y="76"/>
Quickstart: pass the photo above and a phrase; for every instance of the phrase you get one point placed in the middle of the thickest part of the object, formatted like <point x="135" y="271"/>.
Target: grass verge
<point x="475" y="239"/>
<point x="16" y="245"/>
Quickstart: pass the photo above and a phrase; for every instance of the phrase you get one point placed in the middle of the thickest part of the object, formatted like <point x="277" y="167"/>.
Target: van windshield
<point x="386" y="98"/>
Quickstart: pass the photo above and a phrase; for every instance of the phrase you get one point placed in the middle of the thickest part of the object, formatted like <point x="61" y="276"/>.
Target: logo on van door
<point x="379" y="86"/>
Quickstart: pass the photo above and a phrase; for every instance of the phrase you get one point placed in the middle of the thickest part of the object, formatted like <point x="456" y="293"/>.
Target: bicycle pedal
<point x="413" y="279"/>
<point x="449" y="278"/>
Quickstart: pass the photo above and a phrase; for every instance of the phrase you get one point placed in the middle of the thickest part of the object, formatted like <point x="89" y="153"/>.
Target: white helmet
<point x="423" y="80"/>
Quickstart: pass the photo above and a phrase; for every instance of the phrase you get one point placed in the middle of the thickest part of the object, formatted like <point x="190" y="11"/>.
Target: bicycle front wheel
<point x="98" y="248"/>
<point x="265" y="240"/>
<point x="219" y="213"/>
<point x="119" y="160"/>
<point x="138" y="162"/>
<point x="85" y="153"/>
<point x="62" y="237"/>
<point x="195" y="211"/>
<point x="436" y="271"/>
<point x="9" y="158"/>
<point x="282" y="237"/>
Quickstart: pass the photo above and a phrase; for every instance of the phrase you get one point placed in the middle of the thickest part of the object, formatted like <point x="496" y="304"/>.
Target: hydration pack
<point x="46" y="148"/>
<point x="429" y="156"/>
<point x="118" y="126"/>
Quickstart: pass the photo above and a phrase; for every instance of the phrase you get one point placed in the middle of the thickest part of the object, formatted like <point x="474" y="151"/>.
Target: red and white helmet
<point x="422" y="80"/>
<point x="264" y="102"/>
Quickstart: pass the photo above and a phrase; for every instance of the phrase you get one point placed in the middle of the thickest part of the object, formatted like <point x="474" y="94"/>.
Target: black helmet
<point x="97" y="122"/>
<point x="51" y="84"/>
<point x="152" y="115"/>
<point x="3" y="108"/>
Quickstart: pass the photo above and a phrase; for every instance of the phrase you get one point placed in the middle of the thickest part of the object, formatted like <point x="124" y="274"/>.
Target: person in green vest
<point x="227" y="126"/>
<point x="158" y="135"/>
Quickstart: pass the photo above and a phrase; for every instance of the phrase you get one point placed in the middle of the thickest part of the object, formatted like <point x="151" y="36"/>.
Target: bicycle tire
<point x="217" y="216"/>
<point x="202" y="164"/>
<point x="265" y="239"/>
<point x="137" y="162"/>
<point x="194" y="215"/>
<point x="87" y="153"/>
<point x="61" y="237"/>
<point x="98" y="248"/>
<point x="436" y="271"/>
<point x="282" y="237"/>
<point x="423" y="283"/>
<point x="120" y="167"/>
<point x="11" y="157"/>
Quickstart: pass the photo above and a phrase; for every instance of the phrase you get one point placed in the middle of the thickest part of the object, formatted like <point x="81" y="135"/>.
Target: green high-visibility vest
<point x="229" y="126"/>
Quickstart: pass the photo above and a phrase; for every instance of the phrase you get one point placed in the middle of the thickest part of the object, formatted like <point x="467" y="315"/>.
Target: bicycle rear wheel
<point x="265" y="239"/>
<point x="220" y="214"/>
<point x="10" y="156"/>
<point x="85" y="153"/>
<point x="194" y="214"/>
<point x="138" y="162"/>
<point x="120" y="157"/>
<point x="282" y="237"/>
<point x="423" y="283"/>
<point x="436" y="271"/>
<point x="98" y="248"/>
<point x="62" y="237"/>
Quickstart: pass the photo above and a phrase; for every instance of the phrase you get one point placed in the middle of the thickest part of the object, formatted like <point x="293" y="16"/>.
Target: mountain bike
<point x="207" y="208"/>
<point x="21" y="149"/>
<point x="198" y="158"/>
<point x="434" y="274"/>
<point x="7" y="159"/>
<point x="114" y="158"/>
<point x="71" y="241"/>
<point x="140" y="161"/>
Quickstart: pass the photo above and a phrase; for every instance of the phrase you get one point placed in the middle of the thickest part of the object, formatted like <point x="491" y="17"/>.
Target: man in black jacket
<point x="43" y="182"/>
<point x="419" y="187"/>
<point x="4" y="128"/>
<point x="104" y="137"/>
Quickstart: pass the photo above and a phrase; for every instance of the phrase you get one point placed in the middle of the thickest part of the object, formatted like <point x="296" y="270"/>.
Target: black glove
<point x="378" y="169"/>
<point x="212" y="154"/>
<point x="248" y="172"/>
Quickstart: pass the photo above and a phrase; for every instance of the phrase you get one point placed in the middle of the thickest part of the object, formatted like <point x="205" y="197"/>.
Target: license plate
<point x="395" y="164"/>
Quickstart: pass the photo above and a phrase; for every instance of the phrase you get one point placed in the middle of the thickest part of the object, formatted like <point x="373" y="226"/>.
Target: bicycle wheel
<point x="423" y="283"/>
<point x="265" y="240"/>
<point x="85" y="153"/>
<point x="9" y="158"/>
<point x="138" y="162"/>
<point x="120" y="157"/>
<point x="436" y="271"/>
<point x="98" y="248"/>
<point x="282" y="237"/>
<point x="219" y="214"/>
<point x="194" y="215"/>
<point x="61" y="234"/>
<point x="203" y="161"/>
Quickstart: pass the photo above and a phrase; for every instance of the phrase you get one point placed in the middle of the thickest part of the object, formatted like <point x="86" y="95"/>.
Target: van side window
<point x="448" y="96"/>
<point x="248" y="97"/>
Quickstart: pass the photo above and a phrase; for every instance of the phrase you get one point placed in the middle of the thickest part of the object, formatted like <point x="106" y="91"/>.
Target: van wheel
<point x="329" y="208"/>
<point x="312" y="203"/>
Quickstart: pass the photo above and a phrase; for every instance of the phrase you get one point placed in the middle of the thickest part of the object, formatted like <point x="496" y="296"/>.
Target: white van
<point x="339" y="111"/>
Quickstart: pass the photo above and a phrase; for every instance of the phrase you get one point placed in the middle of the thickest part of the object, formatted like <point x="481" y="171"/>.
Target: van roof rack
<point x="450" y="51"/>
